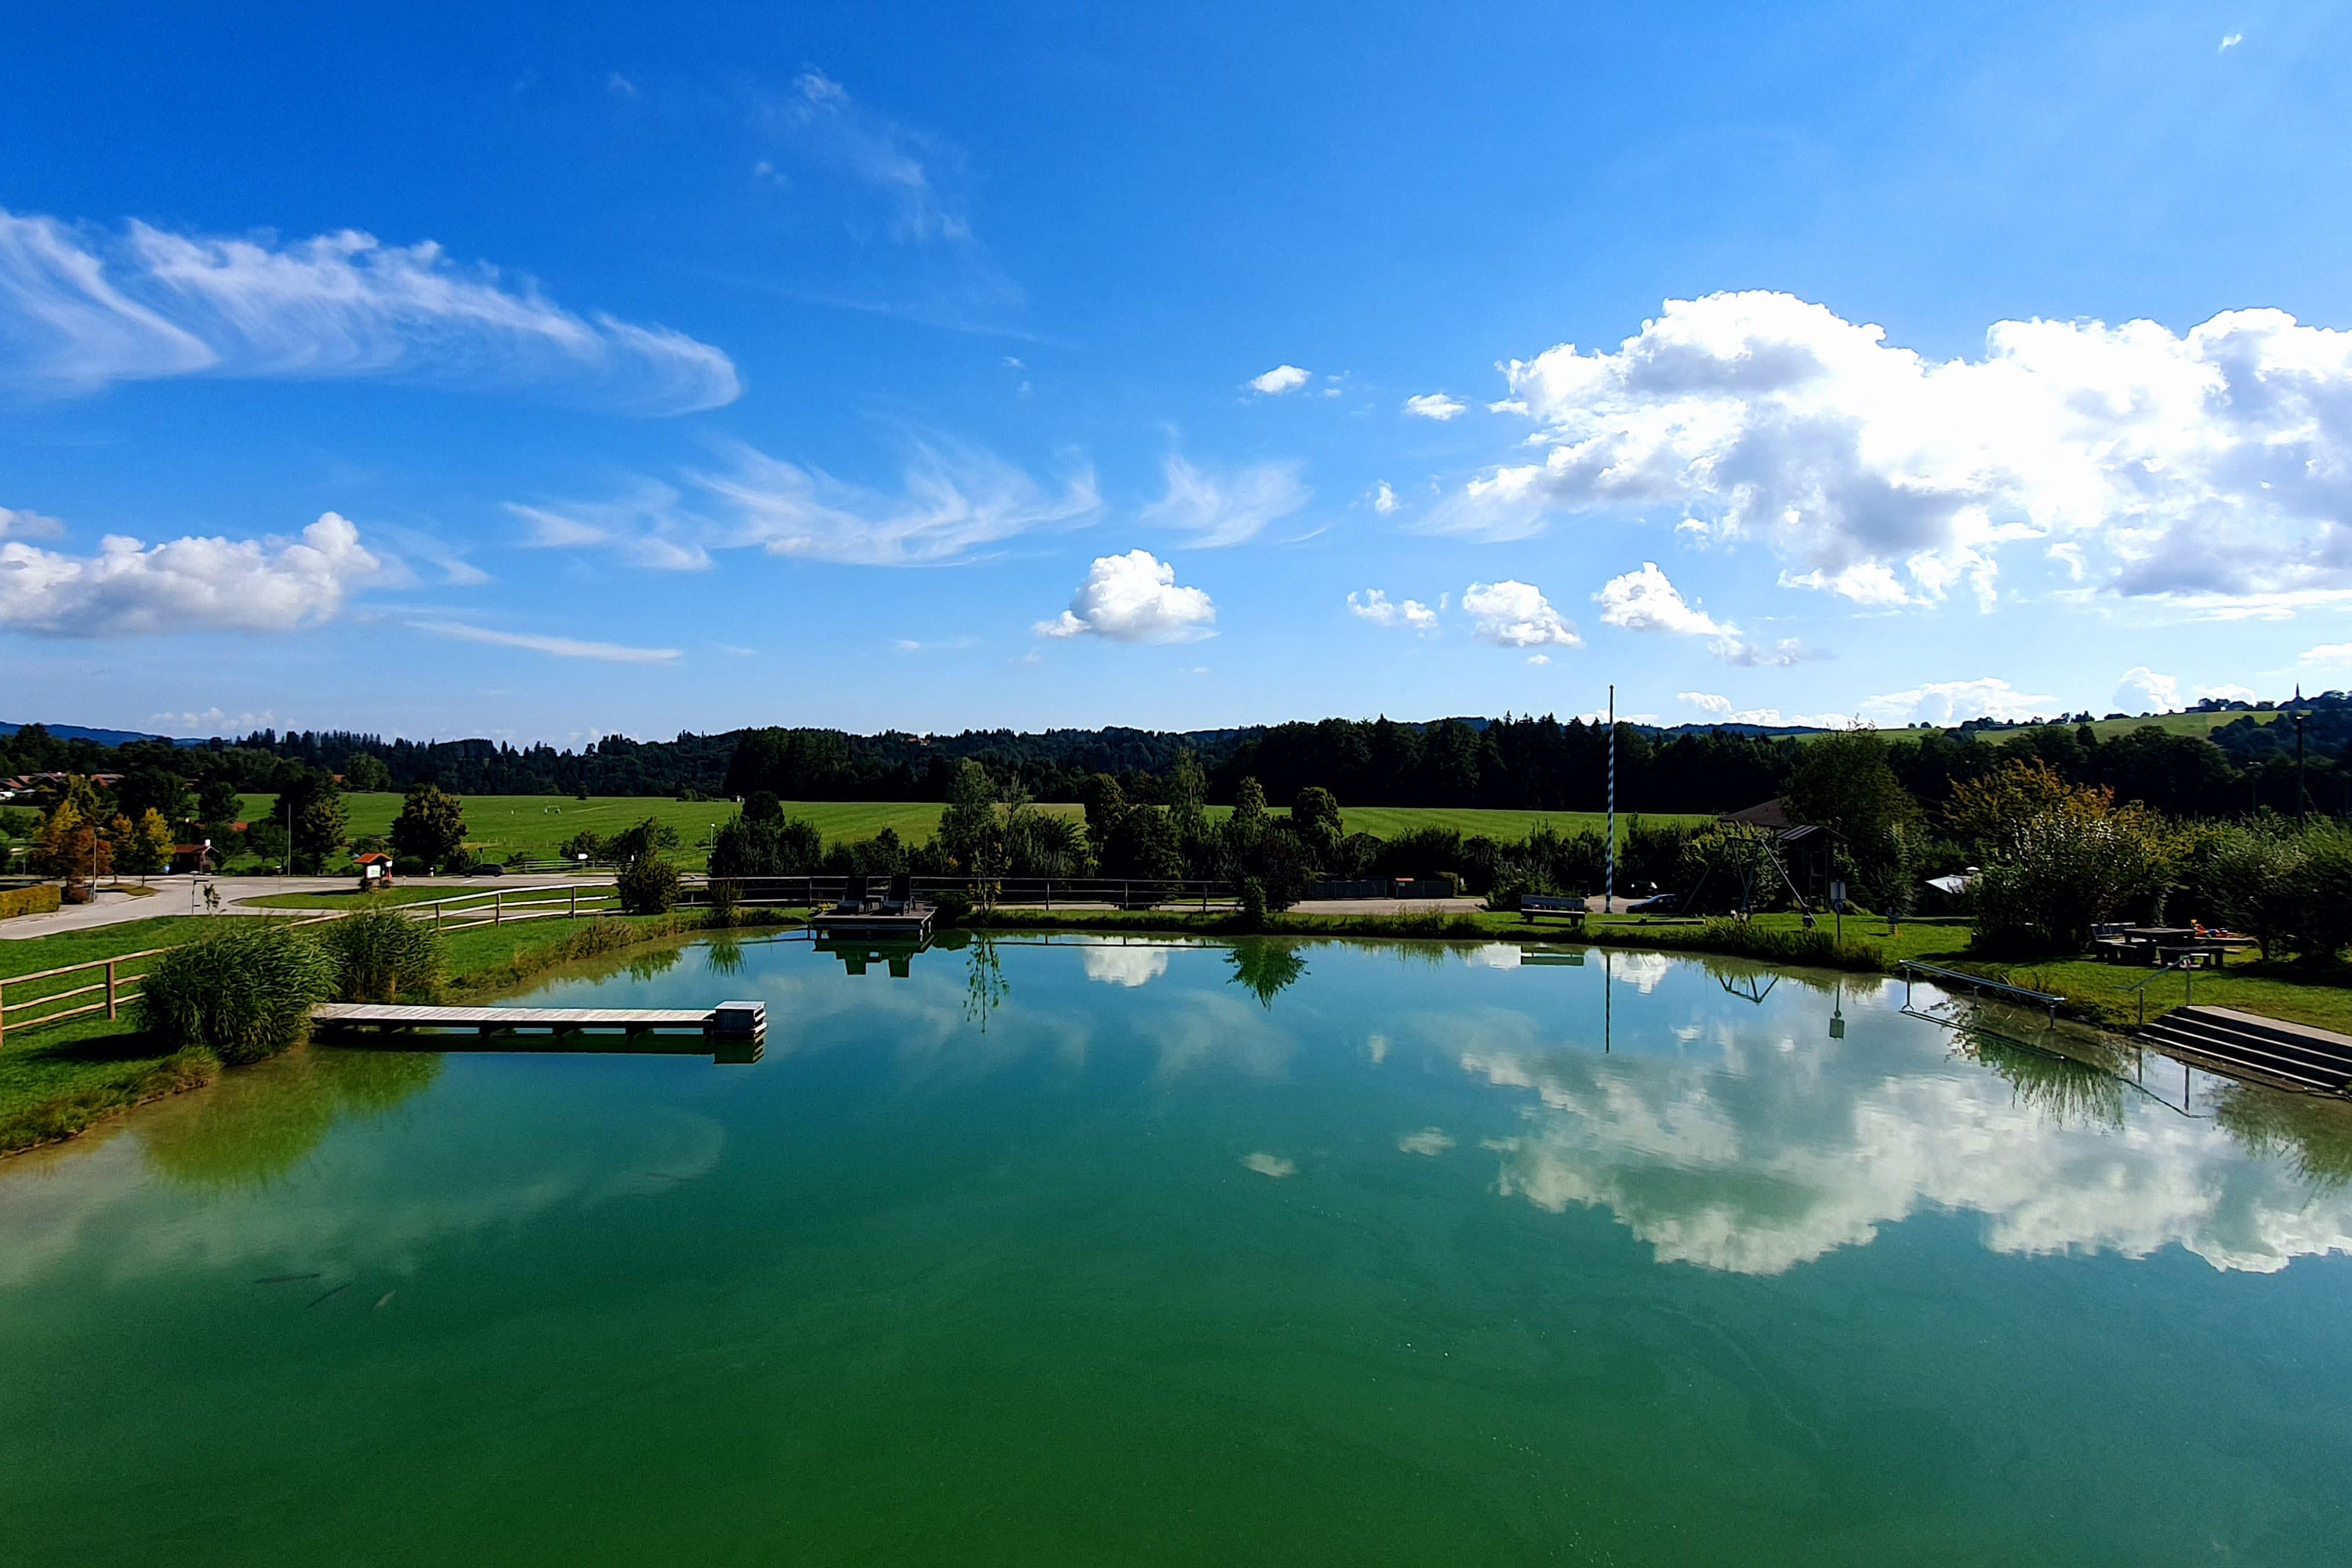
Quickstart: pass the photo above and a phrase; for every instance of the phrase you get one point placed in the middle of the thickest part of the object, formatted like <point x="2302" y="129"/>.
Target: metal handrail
<point x="1979" y="983"/>
<point x="2188" y="973"/>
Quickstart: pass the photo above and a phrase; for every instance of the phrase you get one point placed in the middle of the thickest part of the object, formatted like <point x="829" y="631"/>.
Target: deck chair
<point x="900" y="896"/>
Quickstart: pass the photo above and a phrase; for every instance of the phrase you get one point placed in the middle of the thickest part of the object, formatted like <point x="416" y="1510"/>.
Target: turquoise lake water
<point x="1086" y="1252"/>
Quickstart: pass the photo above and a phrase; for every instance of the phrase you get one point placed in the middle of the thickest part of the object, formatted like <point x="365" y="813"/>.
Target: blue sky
<point x="549" y="372"/>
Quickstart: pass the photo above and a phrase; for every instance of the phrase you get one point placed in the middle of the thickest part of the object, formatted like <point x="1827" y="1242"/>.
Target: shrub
<point x="40" y="900"/>
<point x="243" y="992"/>
<point x="380" y="953"/>
<point x="2319" y="897"/>
<point x="1253" y="904"/>
<point x="2069" y="867"/>
<point x="647" y="886"/>
<point x="952" y="906"/>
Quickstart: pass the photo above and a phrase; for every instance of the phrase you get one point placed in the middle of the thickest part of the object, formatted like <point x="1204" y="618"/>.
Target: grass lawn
<point x="55" y="1081"/>
<point x="348" y="898"/>
<point x="498" y="825"/>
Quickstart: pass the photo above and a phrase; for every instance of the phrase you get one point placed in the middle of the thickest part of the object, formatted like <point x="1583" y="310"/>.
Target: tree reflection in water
<point x="260" y="1121"/>
<point x="2071" y="1092"/>
<point x="726" y="956"/>
<point x="1266" y="969"/>
<point x="2311" y="1133"/>
<point x="984" y="987"/>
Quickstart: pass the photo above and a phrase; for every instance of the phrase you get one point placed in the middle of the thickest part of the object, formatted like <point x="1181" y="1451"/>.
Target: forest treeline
<point x="1537" y="764"/>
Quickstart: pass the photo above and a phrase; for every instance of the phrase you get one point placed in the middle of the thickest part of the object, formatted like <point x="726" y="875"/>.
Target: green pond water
<point x="1072" y="1251"/>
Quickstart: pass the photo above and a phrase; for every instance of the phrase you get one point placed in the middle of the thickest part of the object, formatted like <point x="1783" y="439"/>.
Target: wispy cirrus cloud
<point x="954" y="501"/>
<point x="81" y="309"/>
<point x="1217" y="508"/>
<point x="560" y="647"/>
<point x="210" y="583"/>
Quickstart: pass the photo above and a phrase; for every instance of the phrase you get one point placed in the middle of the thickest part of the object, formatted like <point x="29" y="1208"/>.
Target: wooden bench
<point x="1534" y="907"/>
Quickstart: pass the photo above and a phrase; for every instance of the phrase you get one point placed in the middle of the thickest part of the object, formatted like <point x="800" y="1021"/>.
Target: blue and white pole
<point x="1608" y="886"/>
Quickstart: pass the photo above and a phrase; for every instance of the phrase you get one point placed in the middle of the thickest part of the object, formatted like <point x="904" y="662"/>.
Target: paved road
<point x="183" y="895"/>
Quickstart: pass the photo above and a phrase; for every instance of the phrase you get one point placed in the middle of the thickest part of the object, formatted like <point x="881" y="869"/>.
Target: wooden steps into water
<point x="2246" y="1044"/>
<point x="734" y="1026"/>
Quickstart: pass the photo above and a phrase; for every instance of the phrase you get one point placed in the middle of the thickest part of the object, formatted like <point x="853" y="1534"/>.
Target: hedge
<point x="39" y="900"/>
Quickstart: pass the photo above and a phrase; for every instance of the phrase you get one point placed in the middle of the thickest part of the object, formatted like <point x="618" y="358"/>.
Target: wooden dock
<point x="731" y="1030"/>
<point x="911" y="926"/>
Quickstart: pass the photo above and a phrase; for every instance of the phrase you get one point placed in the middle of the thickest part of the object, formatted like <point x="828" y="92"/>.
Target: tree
<point x="646" y="885"/>
<point x="70" y="846"/>
<point x="431" y="825"/>
<point x="968" y="827"/>
<point x="1844" y="781"/>
<point x="1107" y="807"/>
<point x="219" y="807"/>
<point x="2055" y="874"/>
<point x="153" y="789"/>
<point x="648" y="838"/>
<point x="365" y="772"/>
<point x="1981" y="810"/>
<point x="142" y="847"/>
<point x="310" y="806"/>
<point x="1315" y="817"/>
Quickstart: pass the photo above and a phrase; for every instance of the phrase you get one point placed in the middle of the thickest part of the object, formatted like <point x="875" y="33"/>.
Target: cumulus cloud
<point x="1434" y="405"/>
<point x="1373" y="605"/>
<point x="2212" y="466"/>
<point x="1229" y="508"/>
<point x="2228" y="693"/>
<point x="1722" y="710"/>
<point x="561" y="648"/>
<point x="185" y="585"/>
<point x="1647" y="601"/>
<point x="1384" y="499"/>
<point x="80" y="310"/>
<point x="22" y="524"/>
<point x="1950" y="702"/>
<point x="1517" y="615"/>
<point x="2143" y="689"/>
<point x="1133" y="598"/>
<point x="1282" y="378"/>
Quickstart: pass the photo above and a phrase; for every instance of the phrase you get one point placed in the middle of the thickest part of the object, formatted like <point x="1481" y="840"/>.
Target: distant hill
<point x="101" y="737"/>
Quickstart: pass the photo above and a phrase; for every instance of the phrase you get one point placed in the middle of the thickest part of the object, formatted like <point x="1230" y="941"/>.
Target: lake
<point x="1064" y="1250"/>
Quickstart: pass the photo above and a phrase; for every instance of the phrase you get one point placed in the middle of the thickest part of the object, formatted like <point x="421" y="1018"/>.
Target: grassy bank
<point x="56" y="1082"/>
<point x="498" y="827"/>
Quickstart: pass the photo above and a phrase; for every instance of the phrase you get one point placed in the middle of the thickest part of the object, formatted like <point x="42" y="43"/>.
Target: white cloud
<point x="1282" y="378"/>
<point x="2228" y="693"/>
<point x="79" y="312"/>
<point x="1434" y="405"/>
<point x="29" y="524"/>
<point x="820" y="120"/>
<point x="2230" y="41"/>
<point x="1722" y="711"/>
<point x="1123" y="963"/>
<point x="2142" y="689"/>
<point x="1133" y="598"/>
<point x="1950" y="702"/>
<point x="1384" y="499"/>
<point x="1226" y="508"/>
<point x="645" y="526"/>
<point x="2328" y="655"/>
<point x="2210" y="467"/>
<point x="954" y="501"/>
<point x="561" y="648"/>
<point x="1517" y="615"/>
<point x="1373" y="605"/>
<point x="1647" y="601"/>
<point x="185" y="585"/>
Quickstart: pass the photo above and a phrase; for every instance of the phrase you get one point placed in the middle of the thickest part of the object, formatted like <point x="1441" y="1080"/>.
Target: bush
<point x="647" y="886"/>
<point x="2319" y="897"/>
<point x="380" y="953"/>
<point x="39" y="900"/>
<point x="952" y="906"/>
<point x="2068" y="868"/>
<point x="243" y="992"/>
<point x="1253" y="904"/>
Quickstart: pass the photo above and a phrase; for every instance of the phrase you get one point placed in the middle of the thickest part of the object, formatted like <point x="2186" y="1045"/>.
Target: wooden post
<point x="497" y="908"/>
<point x="109" y="988"/>
<point x="576" y="900"/>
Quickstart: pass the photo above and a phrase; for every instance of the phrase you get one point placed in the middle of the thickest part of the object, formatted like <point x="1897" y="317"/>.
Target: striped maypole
<point x="1608" y="887"/>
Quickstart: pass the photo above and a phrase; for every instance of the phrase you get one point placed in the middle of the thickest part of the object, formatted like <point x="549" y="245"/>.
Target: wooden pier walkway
<point x="734" y="1027"/>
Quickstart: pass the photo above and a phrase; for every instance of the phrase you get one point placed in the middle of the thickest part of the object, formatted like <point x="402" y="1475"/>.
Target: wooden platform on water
<point x="912" y="926"/>
<point x="734" y="1031"/>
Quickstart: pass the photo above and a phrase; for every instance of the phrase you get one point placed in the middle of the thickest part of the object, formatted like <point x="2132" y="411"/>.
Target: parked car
<point x="486" y="868"/>
<point x="1663" y="904"/>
